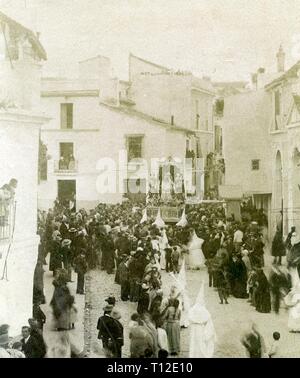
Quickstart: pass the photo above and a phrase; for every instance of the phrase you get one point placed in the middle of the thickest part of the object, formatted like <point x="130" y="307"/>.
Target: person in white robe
<point x="159" y="222"/>
<point x="163" y="244"/>
<point x="182" y="295"/>
<point x="183" y="220"/>
<point x="292" y="301"/>
<point x="144" y="217"/>
<point x="202" y="331"/>
<point x="196" y="259"/>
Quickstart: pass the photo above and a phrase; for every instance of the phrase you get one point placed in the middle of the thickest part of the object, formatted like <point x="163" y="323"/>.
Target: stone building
<point x="156" y="114"/>
<point x="20" y="121"/>
<point x="262" y="144"/>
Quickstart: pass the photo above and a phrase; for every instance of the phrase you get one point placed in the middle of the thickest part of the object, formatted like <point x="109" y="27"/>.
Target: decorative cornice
<point x="71" y="93"/>
<point x="23" y="117"/>
<point x="70" y="130"/>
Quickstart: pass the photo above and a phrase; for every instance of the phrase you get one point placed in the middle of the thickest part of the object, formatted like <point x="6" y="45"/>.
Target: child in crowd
<point x="162" y="336"/>
<point x="175" y="259"/>
<point x="134" y="321"/>
<point x="274" y="350"/>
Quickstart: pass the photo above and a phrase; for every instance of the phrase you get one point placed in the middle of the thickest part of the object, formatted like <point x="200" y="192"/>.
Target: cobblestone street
<point x="229" y="320"/>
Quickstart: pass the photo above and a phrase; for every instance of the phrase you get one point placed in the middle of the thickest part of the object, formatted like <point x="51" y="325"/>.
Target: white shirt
<point x="238" y="236"/>
<point x="162" y="339"/>
<point x="274" y="350"/>
<point x="27" y="338"/>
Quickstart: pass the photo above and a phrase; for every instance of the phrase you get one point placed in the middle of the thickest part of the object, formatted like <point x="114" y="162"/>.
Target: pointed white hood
<point x="159" y="221"/>
<point x="144" y="217"/>
<point x="183" y="220"/>
<point x="198" y="313"/>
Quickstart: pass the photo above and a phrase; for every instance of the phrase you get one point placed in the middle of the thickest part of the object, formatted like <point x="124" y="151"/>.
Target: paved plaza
<point x="230" y="320"/>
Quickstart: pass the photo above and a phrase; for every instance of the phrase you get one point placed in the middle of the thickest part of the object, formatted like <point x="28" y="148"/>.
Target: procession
<point x="149" y="186"/>
<point x="148" y="261"/>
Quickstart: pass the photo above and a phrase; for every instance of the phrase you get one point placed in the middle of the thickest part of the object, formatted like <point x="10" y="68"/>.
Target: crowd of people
<point x="120" y="240"/>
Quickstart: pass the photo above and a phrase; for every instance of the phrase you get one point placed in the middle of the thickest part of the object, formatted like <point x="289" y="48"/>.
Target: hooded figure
<point x="185" y="304"/>
<point x="202" y="331"/>
<point x="159" y="221"/>
<point x="292" y="300"/>
<point x="144" y="217"/>
<point x="183" y="221"/>
<point x="196" y="257"/>
<point x="163" y="244"/>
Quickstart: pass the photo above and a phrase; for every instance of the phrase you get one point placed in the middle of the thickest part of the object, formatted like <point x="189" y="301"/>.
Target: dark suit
<point x="143" y="303"/>
<point x="64" y="231"/>
<point x="111" y="334"/>
<point x="34" y="347"/>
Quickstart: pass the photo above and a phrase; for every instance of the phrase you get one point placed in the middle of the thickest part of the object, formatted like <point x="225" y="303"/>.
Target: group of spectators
<point x="112" y="238"/>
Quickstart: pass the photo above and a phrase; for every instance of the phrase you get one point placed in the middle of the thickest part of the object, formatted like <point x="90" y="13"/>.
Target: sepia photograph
<point x="149" y="181"/>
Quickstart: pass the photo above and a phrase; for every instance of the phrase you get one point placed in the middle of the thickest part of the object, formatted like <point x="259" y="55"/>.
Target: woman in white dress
<point x="196" y="257"/>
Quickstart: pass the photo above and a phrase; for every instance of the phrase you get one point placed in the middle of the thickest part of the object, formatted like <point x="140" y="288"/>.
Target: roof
<point x="148" y="62"/>
<point x="20" y="29"/>
<point x="198" y="83"/>
<point x="146" y="117"/>
<point x="230" y="84"/>
<point x="291" y="72"/>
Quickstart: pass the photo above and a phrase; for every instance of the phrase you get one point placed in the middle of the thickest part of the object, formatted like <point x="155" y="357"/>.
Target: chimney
<point x="280" y="59"/>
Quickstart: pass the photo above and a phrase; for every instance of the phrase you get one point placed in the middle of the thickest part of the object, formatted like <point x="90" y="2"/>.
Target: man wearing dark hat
<point x="111" y="300"/>
<point x="4" y="341"/>
<point x="31" y="346"/>
<point x="36" y="334"/>
<point x="144" y="299"/>
<point x="124" y="278"/>
<point x="80" y="268"/>
<point x="66" y="257"/>
<point x="5" y="350"/>
<point x="105" y="326"/>
<point x="108" y="251"/>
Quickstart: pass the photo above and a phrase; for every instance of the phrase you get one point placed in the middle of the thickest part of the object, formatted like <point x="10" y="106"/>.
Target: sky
<point x="226" y="40"/>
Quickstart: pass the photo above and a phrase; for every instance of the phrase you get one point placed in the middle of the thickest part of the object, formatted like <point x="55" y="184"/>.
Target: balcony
<point x="64" y="168"/>
<point x="7" y="215"/>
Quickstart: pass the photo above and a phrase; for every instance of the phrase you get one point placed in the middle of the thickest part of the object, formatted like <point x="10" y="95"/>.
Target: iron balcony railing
<point x="7" y="215"/>
<point x="65" y="167"/>
<point x="168" y="213"/>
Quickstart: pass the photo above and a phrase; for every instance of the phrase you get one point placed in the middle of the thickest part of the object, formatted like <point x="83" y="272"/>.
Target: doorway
<point x="66" y="192"/>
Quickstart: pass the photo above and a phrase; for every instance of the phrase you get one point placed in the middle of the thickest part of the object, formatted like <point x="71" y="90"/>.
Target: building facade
<point x="261" y="144"/>
<point x="20" y="121"/>
<point x="95" y="117"/>
<point x="284" y="127"/>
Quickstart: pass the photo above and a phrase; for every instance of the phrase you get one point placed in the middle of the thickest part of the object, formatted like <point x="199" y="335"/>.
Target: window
<point x="255" y="165"/>
<point x="219" y="107"/>
<point x="218" y="139"/>
<point x="66" y="116"/>
<point x="197" y="116"/>
<point x="277" y="99"/>
<point x="66" y="156"/>
<point x="43" y="162"/>
<point x="134" y="147"/>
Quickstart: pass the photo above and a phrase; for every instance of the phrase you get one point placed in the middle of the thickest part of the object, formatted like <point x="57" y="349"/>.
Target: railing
<point x="64" y="167"/>
<point x="7" y="215"/>
<point x="168" y="213"/>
